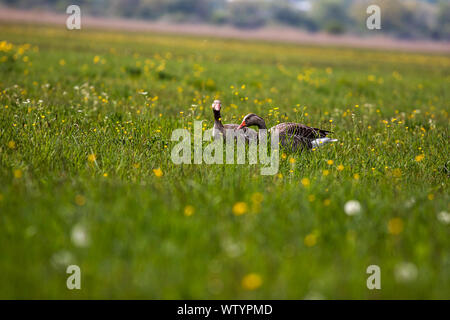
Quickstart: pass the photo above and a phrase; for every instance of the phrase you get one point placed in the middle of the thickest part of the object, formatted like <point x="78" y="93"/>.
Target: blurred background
<point x="406" y="19"/>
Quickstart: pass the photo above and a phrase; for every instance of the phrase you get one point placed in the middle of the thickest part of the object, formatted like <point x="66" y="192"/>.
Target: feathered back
<point x="298" y="129"/>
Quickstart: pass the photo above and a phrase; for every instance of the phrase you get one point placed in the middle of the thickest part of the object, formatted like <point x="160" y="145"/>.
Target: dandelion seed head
<point x="79" y="236"/>
<point x="444" y="217"/>
<point x="405" y="272"/>
<point x="352" y="207"/>
<point x="61" y="259"/>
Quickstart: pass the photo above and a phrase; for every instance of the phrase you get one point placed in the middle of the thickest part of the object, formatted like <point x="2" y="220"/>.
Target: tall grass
<point x="86" y="176"/>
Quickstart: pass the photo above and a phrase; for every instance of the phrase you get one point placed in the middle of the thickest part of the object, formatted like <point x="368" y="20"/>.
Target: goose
<point x="220" y="129"/>
<point x="294" y="135"/>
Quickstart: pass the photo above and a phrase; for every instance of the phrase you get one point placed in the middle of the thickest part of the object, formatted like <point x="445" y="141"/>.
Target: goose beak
<point x="243" y="124"/>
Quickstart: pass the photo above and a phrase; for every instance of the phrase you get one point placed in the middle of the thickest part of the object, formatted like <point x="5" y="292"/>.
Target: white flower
<point x="410" y="202"/>
<point x="352" y="207"/>
<point x="30" y="231"/>
<point x="62" y="259"/>
<point x="405" y="272"/>
<point x="79" y="236"/>
<point x="233" y="249"/>
<point x="444" y="217"/>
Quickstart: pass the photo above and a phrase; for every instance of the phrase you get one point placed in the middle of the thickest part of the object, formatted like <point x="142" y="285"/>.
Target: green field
<point x="86" y="175"/>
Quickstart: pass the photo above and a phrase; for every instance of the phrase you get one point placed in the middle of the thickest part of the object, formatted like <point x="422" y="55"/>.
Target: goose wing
<point x="300" y="130"/>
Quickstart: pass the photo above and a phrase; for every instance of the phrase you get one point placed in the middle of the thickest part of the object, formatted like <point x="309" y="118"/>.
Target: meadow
<point x="86" y="175"/>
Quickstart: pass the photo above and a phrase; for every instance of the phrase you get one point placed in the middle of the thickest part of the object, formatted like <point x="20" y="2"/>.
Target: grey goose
<point x="220" y="130"/>
<point x="295" y="136"/>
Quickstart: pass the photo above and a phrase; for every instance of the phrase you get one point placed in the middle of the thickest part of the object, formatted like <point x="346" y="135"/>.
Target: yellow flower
<point x="96" y="59"/>
<point x="310" y="240"/>
<point x="420" y="157"/>
<point x="306" y="182"/>
<point x="80" y="200"/>
<point x="5" y="46"/>
<point x="395" y="226"/>
<point x="330" y="162"/>
<point x="189" y="211"/>
<point x="340" y="167"/>
<point x="11" y="145"/>
<point x="356" y="176"/>
<point x="325" y="172"/>
<point x="105" y="174"/>
<point x="251" y="281"/>
<point x="240" y="208"/>
<point x="283" y="156"/>
<point x="257" y="197"/>
<point x="158" y="172"/>
<point x="397" y="173"/>
<point x="92" y="157"/>
<point x="17" y="173"/>
<point x="291" y="160"/>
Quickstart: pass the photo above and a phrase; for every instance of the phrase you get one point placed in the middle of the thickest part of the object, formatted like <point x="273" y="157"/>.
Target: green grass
<point x="79" y="145"/>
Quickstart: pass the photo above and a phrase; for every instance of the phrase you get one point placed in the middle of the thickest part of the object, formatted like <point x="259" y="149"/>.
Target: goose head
<point x="253" y="120"/>
<point x="216" y="105"/>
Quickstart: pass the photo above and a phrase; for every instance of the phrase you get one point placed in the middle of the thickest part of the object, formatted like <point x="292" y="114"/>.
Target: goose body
<point x="295" y="136"/>
<point x="220" y="130"/>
